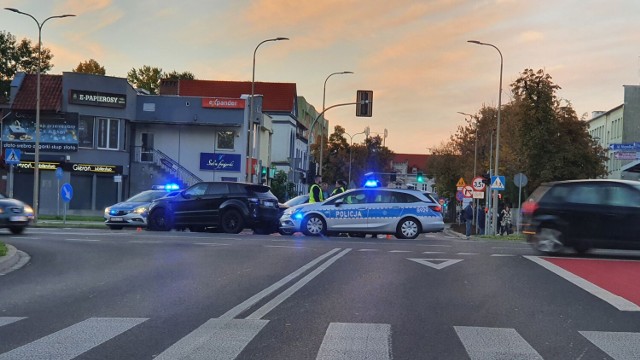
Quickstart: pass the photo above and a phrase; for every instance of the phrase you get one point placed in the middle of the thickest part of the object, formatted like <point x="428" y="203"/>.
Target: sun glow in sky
<point x="414" y="55"/>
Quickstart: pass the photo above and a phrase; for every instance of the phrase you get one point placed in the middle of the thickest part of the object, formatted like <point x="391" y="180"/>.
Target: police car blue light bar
<point x="372" y="183"/>
<point x="168" y="187"/>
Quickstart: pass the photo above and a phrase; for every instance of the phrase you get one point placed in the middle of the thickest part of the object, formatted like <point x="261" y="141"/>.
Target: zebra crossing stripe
<point x="348" y="341"/>
<point x="71" y="342"/>
<point x="217" y="339"/>
<point x="618" y="345"/>
<point x="484" y="343"/>
<point x="8" y="320"/>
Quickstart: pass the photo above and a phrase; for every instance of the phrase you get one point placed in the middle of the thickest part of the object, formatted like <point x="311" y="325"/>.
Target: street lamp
<point x="251" y="112"/>
<point x="475" y="159"/>
<point x="36" y="160"/>
<point x="366" y="132"/>
<point x="495" y="192"/>
<point x="324" y="95"/>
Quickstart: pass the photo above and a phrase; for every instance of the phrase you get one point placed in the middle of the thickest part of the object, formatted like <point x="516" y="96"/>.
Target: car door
<point x="621" y="216"/>
<point x="583" y="210"/>
<point x="347" y="212"/>
<point x="186" y="205"/>
<point x="385" y="209"/>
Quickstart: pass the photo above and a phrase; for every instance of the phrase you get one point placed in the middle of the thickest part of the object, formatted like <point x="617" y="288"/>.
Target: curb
<point x="7" y="261"/>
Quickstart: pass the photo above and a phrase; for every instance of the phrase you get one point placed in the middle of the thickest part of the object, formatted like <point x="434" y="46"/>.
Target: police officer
<point x="340" y="187"/>
<point x="315" y="191"/>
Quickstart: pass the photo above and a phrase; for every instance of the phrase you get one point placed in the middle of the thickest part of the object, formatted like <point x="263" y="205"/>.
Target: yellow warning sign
<point x="461" y="183"/>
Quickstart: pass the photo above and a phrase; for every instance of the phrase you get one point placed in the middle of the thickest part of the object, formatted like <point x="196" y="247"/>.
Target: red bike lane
<point x="613" y="280"/>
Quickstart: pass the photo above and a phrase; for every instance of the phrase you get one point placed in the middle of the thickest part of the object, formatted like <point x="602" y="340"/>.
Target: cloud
<point x="531" y="36"/>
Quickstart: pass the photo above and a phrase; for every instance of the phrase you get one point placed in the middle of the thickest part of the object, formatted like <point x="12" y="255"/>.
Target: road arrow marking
<point x="437" y="266"/>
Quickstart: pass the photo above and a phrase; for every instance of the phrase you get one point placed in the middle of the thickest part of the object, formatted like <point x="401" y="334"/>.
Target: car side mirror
<point x="338" y="202"/>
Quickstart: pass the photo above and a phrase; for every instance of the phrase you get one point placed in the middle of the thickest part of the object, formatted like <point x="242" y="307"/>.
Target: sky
<point x="413" y="55"/>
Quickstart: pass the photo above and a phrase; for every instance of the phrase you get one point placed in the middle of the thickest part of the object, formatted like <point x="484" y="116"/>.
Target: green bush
<point x="3" y="249"/>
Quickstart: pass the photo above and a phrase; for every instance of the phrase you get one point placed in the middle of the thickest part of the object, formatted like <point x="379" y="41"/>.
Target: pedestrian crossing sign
<point x="12" y="157"/>
<point x="497" y="182"/>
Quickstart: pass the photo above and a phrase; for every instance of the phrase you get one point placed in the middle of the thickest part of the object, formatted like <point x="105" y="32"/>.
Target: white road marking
<point x="344" y="341"/>
<point x="217" y="339"/>
<point x="73" y="341"/>
<point x="502" y="255"/>
<point x="483" y="343"/>
<point x="264" y="293"/>
<point x="437" y="266"/>
<point x="466" y="253"/>
<point x="284" y="246"/>
<point x="618" y="302"/>
<point x="9" y="320"/>
<point x="400" y="251"/>
<point x="618" y="345"/>
<point x="368" y="250"/>
<point x="266" y="308"/>
<point x="25" y="237"/>
<point x="433" y="252"/>
<point x="211" y="244"/>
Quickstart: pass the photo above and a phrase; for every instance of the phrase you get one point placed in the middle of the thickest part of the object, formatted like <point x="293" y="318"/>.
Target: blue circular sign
<point x="66" y="192"/>
<point x="459" y="196"/>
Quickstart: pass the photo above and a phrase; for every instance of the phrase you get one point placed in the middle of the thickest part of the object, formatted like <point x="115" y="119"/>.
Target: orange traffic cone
<point x="388" y="236"/>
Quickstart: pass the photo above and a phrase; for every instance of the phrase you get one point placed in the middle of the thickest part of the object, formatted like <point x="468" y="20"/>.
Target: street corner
<point x="13" y="260"/>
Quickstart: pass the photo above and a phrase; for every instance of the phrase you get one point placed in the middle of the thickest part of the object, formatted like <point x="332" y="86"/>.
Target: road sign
<point x="635" y="146"/>
<point x="461" y="183"/>
<point x="66" y="191"/>
<point x="59" y="173"/>
<point x="520" y="179"/>
<point x="497" y="183"/>
<point x="459" y="195"/>
<point x="477" y="183"/>
<point x="12" y="157"/>
<point x="467" y="192"/>
<point x="478" y="194"/>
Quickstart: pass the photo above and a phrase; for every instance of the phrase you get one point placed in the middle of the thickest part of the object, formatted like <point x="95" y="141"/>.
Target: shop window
<point x="108" y="134"/>
<point x="225" y="140"/>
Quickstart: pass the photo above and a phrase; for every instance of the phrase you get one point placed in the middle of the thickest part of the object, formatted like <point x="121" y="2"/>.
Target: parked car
<point x="229" y="206"/>
<point x="298" y="200"/>
<point x="14" y="214"/>
<point x="133" y="211"/>
<point x="402" y="212"/>
<point x="583" y="214"/>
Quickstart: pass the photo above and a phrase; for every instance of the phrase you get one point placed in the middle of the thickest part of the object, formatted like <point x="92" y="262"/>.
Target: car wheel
<point x="159" y="220"/>
<point x="313" y="225"/>
<point x="408" y="228"/>
<point x="16" y="229"/>
<point x="549" y="239"/>
<point x="115" y="227"/>
<point x="232" y="222"/>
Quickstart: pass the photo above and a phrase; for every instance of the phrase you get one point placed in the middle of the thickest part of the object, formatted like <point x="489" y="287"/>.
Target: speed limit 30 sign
<point x="477" y="183"/>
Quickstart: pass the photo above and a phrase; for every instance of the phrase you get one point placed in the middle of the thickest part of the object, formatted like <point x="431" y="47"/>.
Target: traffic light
<point x="263" y="173"/>
<point x="486" y="178"/>
<point x="364" y="103"/>
<point x="420" y="177"/>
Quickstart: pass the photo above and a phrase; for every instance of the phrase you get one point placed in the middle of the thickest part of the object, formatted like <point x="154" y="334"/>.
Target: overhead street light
<point x="250" y="146"/>
<point x="36" y="161"/>
<point x="496" y="168"/>
<point x="324" y="95"/>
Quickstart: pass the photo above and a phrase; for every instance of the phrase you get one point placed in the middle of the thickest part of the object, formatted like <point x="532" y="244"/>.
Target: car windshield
<point x="147" y="196"/>
<point x="301" y="199"/>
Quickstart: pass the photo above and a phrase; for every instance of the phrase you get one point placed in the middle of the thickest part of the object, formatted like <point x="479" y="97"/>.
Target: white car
<point x="402" y="212"/>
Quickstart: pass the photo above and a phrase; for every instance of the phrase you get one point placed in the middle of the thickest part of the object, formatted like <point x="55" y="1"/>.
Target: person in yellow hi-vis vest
<point x="315" y="191"/>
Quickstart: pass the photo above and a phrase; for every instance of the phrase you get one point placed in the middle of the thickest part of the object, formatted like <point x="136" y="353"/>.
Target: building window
<point x="108" y="134"/>
<point x="85" y="132"/>
<point x="225" y="140"/>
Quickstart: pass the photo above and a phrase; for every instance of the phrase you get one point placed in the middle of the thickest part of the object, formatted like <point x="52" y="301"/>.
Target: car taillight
<point x="529" y="207"/>
<point x="437" y="208"/>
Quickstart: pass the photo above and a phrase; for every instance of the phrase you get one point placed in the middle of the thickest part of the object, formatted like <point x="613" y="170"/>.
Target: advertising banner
<point x="56" y="135"/>
<point x="220" y="162"/>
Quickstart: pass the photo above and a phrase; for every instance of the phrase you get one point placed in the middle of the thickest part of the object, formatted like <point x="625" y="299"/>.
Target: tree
<point x="16" y="57"/>
<point x="146" y="77"/>
<point x="90" y="66"/>
<point x="28" y="58"/>
<point x="174" y="75"/>
<point x="281" y="187"/>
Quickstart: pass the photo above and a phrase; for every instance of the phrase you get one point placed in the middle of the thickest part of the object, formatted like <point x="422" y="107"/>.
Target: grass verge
<point x="3" y="249"/>
<point x="71" y="218"/>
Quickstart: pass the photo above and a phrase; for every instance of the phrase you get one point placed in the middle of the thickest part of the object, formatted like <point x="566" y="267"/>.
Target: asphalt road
<point x="99" y="294"/>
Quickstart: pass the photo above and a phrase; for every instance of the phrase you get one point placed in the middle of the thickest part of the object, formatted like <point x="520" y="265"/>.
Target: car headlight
<point x="106" y="210"/>
<point x="28" y="210"/>
<point x="288" y="212"/>
<point x="141" y="209"/>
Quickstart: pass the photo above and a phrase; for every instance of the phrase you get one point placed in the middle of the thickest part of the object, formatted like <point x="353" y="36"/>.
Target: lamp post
<point x="496" y="168"/>
<point x="366" y="132"/>
<point x="251" y="111"/>
<point x="36" y="159"/>
<point x="324" y="95"/>
<point x="475" y="159"/>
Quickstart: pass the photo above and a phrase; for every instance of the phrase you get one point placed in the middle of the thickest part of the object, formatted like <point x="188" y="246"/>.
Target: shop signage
<point x="94" y="98"/>
<point x="220" y="162"/>
<point x="92" y="168"/>
<point x="223" y="103"/>
<point x="56" y="135"/>
<point x="29" y="165"/>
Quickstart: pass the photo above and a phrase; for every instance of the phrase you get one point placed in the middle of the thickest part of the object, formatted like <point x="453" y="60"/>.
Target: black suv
<point x="229" y="206"/>
<point x="583" y="214"/>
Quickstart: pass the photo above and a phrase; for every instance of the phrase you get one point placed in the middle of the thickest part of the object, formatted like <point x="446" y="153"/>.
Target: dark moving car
<point x="228" y="206"/>
<point x="583" y="214"/>
<point x="14" y="214"/>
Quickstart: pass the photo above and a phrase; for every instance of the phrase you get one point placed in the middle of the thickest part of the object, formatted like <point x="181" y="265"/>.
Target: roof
<point x="277" y="97"/>
<point x="418" y="161"/>
<point x="50" y="93"/>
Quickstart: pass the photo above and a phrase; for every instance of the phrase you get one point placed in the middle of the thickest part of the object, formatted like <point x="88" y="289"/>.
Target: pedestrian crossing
<point x="225" y="339"/>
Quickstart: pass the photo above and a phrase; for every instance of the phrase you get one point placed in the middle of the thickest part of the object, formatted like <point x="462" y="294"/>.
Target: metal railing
<point x="168" y="164"/>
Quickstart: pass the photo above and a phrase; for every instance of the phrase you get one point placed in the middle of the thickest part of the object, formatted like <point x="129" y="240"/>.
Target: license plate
<point x="116" y="219"/>
<point x="18" y="218"/>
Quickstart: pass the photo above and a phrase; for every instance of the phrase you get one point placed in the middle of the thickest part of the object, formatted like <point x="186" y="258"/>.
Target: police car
<point x="134" y="211"/>
<point x="403" y="212"/>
